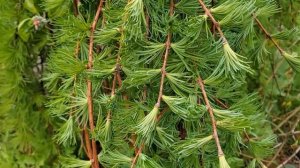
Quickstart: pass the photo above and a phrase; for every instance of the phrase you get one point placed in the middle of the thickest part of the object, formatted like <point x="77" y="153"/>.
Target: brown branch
<point x="213" y="121"/>
<point x="213" y="20"/>
<point x="163" y="69"/>
<point x="89" y="83"/>
<point x="268" y="35"/>
<point x="221" y="103"/>
<point x="163" y="75"/>
<point x="89" y="151"/>
<point x="137" y="156"/>
<point x="75" y="7"/>
<point x="86" y="141"/>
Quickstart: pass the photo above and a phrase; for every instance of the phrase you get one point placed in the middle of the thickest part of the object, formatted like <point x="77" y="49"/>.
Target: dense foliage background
<point x="149" y="83"/>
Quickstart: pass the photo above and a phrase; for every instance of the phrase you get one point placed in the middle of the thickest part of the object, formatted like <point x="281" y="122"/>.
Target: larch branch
<point x="89" y="82"/>
<point x="211" y="114"/>
<point x="213" y="20"/>
<point x="268" y="35"/>
<point x="163" y="75"/>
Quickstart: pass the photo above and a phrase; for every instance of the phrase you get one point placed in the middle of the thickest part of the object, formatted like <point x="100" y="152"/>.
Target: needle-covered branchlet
<point x="154" y="116"/>
<point x="213" y="123"/>
<point x="293" y="60"/>
<point x="89" y="82"/>
<point x="231" y="63"/>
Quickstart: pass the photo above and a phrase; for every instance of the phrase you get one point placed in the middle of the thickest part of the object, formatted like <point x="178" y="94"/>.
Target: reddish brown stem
<point x="268" y="35"/>
<point x="213" y="20"/>
<point x="137" y="156"/>
<point x="75" y="7"/>
<point x="163" y="69"/>
<point x="211" y="113"/>
<point x="163" y="75"/>
<point x="89" y="83"/>
<point x="89" y="151"/>
<point x="221" y="103"/>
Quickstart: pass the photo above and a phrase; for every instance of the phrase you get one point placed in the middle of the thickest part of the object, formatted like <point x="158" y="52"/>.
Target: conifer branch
<point x="89" y="151"/>
<point x="268" y="35"/>
<point x="213" y="121"/>
<point x="89" y="83"/>
<point x="163" y="75"/>
<point x="163" y="69"/>
<point x="213" y="20"/>
<point x="134" y="160"/>
<point x="86" y="143"/>
<point x="293" y="60"/>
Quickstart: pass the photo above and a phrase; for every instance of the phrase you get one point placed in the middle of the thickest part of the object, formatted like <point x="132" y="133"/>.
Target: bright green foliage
<point x="44" y="106"/>
<point x="25" y="126"/>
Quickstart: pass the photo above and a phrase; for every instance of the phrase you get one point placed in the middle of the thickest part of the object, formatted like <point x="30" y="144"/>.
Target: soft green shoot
<point x="115" y="158"/>
<point x="293" y="60"/>
<point x="147" y="162"/>
<point x="225" y="7"/>
<point x="105" y="36"/>
<point x="262" y="148"/>
<point x="165" y="139"/>
<point x="69" y="162"/>
<point x="179" y="83"/>
<point x="268" y="9"/>
<point x="233" y="61"/>
<point x="136" y="18"/>
<point x="222" y="162"/>
<point x="146" y="127"/>
<point x="57" y="8"/>
<point x="191" y="146"/>
<point x="187" y="110"/>
<point x="66" y="134"/>
<point x="140" y="77"/>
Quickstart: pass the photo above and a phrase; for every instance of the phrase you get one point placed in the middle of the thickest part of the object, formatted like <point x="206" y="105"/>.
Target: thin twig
<point x="221" y="103"/>
<point x="89" y="83"/>
<point x="294" y="112"/>
<point x="290" y="158"/>
<point x="214" y="22"/>
<point x="290" y="133"/>
<point x="268" y="35"/>
<point x="212" y="118"/>
<point x="251" y="157"/>
<point x="277" y="153"/>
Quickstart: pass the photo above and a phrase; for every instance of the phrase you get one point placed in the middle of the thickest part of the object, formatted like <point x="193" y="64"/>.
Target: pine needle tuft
<point x="233" y="62"/>
<point x="293" y="60"/>
<point x="223" y="163"/>
<point x="147" y="125"/>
